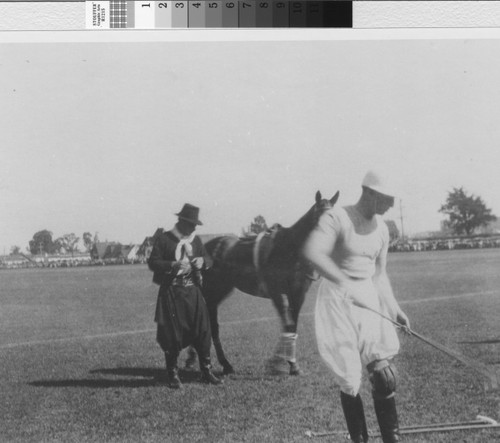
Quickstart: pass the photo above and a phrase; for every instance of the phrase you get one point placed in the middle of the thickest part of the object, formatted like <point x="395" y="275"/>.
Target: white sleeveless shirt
<point x="354" y="253"/>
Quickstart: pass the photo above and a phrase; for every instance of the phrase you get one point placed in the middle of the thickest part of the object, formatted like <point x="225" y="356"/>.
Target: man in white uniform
<point x="349" y="250"/>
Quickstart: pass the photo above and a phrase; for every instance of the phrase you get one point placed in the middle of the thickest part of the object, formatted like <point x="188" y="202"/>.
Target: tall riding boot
<point x="206" y="372"/>
<point x="172" y="371"/>
<point x="355" y="417"/>
<point x="387" y="418"/>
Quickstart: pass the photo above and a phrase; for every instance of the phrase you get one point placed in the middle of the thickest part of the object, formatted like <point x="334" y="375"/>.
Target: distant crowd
<point x="21" y="262"/>
<point x="69" y="262"/>
<point x="444" y="244"/>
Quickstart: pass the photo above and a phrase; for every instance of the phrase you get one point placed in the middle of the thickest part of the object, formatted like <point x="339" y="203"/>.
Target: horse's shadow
<point x="137" y="378"/>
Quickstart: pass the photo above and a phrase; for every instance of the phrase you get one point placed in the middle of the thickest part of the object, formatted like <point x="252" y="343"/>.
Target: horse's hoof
<point x="228" y="370"/>
<point x="295" y="370"/>
<point x="276" y="366"/>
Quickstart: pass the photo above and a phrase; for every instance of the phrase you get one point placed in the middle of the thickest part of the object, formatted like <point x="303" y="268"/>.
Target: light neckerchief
<point x="184" y="242"/>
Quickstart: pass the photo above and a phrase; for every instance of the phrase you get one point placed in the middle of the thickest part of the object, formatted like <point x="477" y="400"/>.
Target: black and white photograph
<point x="270" y="240"/>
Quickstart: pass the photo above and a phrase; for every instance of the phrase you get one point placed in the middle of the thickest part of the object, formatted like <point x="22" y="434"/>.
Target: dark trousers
<point x="182" y="320"/>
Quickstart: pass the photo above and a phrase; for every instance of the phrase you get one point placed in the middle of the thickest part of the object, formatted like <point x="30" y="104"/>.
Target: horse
<point x="268" y="265"/>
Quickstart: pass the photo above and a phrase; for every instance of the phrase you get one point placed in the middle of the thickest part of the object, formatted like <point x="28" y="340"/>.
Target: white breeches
<point x="350" y="337"/>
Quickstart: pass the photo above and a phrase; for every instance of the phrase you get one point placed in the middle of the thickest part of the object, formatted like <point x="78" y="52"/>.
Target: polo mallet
<point x="491" y="382"/>
<point x="481" y="422"/>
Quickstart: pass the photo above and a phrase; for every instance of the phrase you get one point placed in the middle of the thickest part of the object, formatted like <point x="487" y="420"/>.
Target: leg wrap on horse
<point x="287" y="347"/>
<point x="284" y="359"/>
<point x="383" y="378"/>
<point x="355" y="417"/>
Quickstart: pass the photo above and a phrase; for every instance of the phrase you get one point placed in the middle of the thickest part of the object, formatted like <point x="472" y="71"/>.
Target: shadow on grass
<point x="92" y="383"/>
<point x="149" y="377"/>
<point x="132" y="372"/>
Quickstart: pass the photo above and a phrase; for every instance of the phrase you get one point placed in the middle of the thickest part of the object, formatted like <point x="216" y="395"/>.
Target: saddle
<point x="245" y="256"/>
<point x="264" y="245"/>
<point x="272" y="248"/>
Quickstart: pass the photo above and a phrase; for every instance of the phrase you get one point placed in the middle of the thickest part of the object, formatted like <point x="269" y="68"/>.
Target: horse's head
<point x="309" y="220"/>
<point x="303" y="227"/>
<point x="322" y="205"/>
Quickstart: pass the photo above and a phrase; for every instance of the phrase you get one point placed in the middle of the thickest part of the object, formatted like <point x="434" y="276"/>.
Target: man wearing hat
<point x="349" y="249"/>
<point x="177" y="259"/>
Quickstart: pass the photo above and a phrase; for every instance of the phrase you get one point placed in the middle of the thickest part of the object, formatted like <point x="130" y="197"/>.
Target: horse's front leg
<point x="283" y="360"/>
<point x="288" y="306"/>
<point x="298" y="290"/>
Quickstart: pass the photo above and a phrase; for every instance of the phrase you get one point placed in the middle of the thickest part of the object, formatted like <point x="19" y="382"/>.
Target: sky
<point x="115" y="137"/>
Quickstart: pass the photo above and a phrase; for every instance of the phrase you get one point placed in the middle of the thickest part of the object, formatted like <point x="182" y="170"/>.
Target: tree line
<point x="44" y="243"/>
<point x="466" y="214"/>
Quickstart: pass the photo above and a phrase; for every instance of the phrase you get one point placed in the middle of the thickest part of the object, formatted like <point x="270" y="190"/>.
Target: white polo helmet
<point x="378" y="182"/>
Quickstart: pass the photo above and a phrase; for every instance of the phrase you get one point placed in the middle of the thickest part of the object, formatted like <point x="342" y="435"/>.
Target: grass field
<point x="79" y="359"/>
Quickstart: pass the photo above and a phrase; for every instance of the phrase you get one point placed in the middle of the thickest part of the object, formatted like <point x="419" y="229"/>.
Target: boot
<point x="206" y="372"/>
<point x="355" y="417"/>
<point x="173" y="379"/>
<point x="387" y="418"/>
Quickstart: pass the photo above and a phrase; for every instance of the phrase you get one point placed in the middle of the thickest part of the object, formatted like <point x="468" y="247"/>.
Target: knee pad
<point x="383" y="379"/>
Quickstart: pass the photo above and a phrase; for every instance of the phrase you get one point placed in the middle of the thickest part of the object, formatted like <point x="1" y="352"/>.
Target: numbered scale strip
<point x="122" y="14"/>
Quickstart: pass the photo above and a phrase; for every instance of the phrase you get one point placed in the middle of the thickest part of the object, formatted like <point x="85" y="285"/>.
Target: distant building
<point x="492" y="228"/>
<point x="106" y="250"/>
<point x="129" y="252"/>
<point x="147" y="245"/>
<point x="14" y="261"/>
<point x="445" y="229"/>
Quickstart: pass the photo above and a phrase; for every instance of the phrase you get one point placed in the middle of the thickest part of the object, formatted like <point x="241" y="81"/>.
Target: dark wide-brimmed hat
<point x="190" y="213"/>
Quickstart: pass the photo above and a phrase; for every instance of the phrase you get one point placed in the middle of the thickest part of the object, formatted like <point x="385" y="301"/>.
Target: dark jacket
<point x="162" y="257"/>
